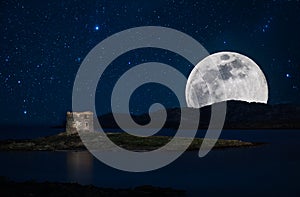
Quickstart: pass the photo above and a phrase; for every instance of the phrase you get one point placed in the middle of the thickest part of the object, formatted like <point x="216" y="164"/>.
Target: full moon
<point x="225" y="76"/>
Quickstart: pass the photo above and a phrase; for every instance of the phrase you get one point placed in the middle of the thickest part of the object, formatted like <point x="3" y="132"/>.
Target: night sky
<point x="44" y="42"/>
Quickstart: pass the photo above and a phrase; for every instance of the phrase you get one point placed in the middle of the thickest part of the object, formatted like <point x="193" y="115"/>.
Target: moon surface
<point x="225" y="76"/>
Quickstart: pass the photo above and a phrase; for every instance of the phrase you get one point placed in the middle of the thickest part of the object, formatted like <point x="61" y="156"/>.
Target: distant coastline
<point x="240" y="115"/>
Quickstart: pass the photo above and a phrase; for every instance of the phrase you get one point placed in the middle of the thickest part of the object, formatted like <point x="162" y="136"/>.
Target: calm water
<point x="269" y="170"/>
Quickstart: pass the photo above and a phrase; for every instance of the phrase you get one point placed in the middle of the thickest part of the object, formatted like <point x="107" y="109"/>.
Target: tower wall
<point x="79" y="122"/>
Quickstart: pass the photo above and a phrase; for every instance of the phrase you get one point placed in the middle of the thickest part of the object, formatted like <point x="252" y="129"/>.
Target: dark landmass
<point x="63" y="141"/>
<point x="240" y="115"/>
<point x="32" y="189"/>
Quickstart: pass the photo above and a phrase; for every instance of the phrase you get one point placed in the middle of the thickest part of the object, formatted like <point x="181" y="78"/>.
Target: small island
<point x="80" y="126"/>
<point x="64" y="141"/>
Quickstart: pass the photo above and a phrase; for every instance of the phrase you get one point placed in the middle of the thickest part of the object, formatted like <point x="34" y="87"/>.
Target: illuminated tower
<point x="79" y="122"/>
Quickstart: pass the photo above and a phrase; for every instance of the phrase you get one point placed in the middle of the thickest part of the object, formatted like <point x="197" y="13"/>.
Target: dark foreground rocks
<point x="48" y="189"/>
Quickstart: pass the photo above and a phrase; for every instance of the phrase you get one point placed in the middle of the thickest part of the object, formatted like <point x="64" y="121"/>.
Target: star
<point x="97" y="27"/>
<point x="267" y="25"/>
<point x="288" y="75"/>
<point x="25" y="112"/>
<point x="7" y="58"/>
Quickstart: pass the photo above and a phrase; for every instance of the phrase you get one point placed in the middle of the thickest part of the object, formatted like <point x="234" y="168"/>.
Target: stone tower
<point x="79" y="122"/>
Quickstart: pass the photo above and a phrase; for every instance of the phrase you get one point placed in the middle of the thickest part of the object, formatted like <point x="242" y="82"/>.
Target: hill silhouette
<point x="240" y="115"/>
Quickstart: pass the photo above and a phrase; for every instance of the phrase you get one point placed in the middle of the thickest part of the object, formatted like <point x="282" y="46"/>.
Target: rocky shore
<point x="63" y="141"/>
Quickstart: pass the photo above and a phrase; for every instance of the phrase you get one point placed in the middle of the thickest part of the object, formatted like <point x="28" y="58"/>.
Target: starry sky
<point x="42" y="44"/>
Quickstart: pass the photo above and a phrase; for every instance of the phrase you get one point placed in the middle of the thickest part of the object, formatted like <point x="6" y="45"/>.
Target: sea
<point x="272" y="169"/>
